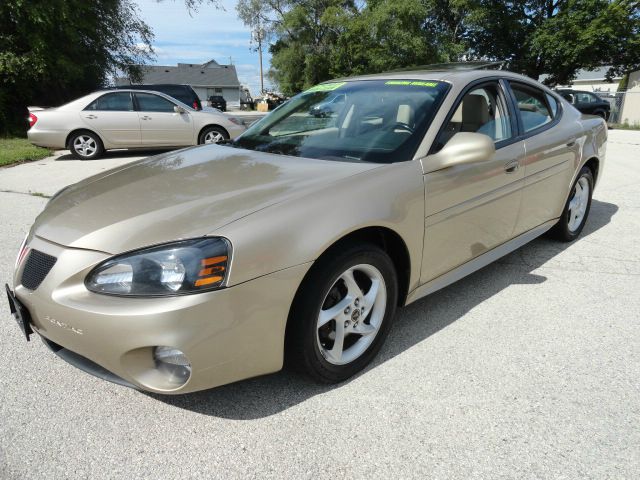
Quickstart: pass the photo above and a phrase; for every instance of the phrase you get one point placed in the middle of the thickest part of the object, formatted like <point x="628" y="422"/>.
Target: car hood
<point x="182" y="194"/>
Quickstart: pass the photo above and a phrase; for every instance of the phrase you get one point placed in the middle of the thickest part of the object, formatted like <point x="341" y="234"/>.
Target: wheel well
<point x="67" y="142"/>
<point x="387" y="240"/>
<point x="593" y="164"/>
<point x="212" y="125"/>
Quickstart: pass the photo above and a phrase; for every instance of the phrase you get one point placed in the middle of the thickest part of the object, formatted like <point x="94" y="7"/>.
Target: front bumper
<point x="228" y="335"/>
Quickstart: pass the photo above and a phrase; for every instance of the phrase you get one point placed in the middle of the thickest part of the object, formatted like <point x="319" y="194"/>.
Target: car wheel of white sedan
<point x="212" y="135"/>
<point x="342" y="313"/>
<point x="576" y="210"/>
<point x="86" y="145"/>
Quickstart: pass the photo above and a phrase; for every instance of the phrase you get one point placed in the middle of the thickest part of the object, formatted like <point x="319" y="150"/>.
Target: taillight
<point x="195" y="105"/>
<point x="32" y="119"/>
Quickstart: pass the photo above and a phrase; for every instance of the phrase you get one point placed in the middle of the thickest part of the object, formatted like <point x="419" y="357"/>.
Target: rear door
<point x="160" y="124"/>
<point x="551" y="150"/>
<point x="473" y="208"/>
<point x="113" y="117"/>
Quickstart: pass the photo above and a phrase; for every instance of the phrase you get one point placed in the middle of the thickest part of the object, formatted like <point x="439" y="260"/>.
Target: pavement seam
<point x="31" y="194"/>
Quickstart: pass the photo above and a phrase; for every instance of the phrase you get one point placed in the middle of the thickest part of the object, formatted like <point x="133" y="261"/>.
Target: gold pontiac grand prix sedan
<point x="296" y="242"/>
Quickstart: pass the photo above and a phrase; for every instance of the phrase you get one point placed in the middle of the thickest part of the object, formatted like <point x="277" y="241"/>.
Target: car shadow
<point x="267" y="395"/>
<point x="115" y="154"/>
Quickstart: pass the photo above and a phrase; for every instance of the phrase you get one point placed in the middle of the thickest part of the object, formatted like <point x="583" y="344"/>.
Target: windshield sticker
<point x="412" y="83"/>
<point x="326" y="87"/>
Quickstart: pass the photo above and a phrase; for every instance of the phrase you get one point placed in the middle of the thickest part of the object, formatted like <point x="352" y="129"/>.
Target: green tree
<point x="556" y="37"/>
<point x="54" y="51"/>
<point x="314" y="40"/>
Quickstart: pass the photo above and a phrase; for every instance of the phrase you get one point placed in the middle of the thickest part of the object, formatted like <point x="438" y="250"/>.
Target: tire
<point x="365" y="321"/>
<point x="212" y="135"/>
<point x="576" y="210"/>
<point x="86" y="145"/>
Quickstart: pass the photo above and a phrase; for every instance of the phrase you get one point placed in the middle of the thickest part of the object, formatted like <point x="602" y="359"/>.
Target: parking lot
<point x="528" y="368"/>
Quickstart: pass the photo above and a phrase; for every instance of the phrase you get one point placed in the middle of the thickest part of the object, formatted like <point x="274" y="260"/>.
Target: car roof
<point x="138" y="85"/>
<point x="448" y="75"/>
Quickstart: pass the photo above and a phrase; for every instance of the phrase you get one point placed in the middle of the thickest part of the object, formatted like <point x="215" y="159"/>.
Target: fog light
<point x="173" y="363"/>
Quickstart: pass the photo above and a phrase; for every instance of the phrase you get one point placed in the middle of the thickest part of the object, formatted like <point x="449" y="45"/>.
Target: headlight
<point x="237" y="121"/>
<point x="176" y="268"/>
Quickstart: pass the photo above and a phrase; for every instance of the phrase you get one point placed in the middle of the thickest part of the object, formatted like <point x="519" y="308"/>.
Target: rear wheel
<point x="342" y="314"/>
<point x="212" y="135"/>
<point x="86" y="145"/>
<point x="576" y="210"/>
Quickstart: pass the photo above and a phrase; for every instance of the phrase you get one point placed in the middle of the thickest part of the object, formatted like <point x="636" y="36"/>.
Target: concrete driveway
<point x="529" y="368"/>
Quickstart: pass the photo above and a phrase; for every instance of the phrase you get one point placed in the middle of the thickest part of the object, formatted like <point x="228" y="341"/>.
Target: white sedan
<point x="116" y="119"/>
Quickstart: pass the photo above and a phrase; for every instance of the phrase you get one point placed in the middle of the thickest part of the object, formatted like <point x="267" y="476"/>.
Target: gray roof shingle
<point x="207" y="75"/>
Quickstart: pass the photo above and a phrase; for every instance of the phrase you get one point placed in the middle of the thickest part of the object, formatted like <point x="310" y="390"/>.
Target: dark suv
<point x="184" y="93"/>
<point x="218" y="101"/>
<point x="587" y="102"/>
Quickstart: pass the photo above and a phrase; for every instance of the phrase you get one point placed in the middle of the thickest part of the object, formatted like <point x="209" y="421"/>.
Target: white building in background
<point x="592" y="81"/>
<point x="631" y="103"/>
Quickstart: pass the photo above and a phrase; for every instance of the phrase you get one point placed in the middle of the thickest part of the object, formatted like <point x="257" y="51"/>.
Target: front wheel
<point x="576" y="210"/>
<point x="342" y="314"/>
<point x="212" y="135"/>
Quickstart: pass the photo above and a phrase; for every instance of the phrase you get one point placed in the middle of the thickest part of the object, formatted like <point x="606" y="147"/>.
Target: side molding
<point x="477" y="263"/>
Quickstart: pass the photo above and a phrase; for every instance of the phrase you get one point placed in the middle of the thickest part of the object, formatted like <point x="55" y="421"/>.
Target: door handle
<point x="571" y="143"/>
<point x="91" y="117"/>
<point x="512" y="166"/>
<point x="146" y="117"/>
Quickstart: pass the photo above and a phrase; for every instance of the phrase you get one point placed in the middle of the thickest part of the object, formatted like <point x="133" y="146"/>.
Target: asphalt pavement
<point x="529" y="368"/>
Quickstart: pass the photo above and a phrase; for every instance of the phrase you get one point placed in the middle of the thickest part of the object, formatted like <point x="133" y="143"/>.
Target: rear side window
<point x="583" y="97"/>
<point x="178" y="93"/>
<point x="147" y="102"/>
<point x="532" y="107"/>
<point x="112" y="102"/>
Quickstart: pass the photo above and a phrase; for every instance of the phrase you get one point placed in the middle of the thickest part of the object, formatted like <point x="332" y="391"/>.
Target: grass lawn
<point x="625" y="126"/>
<point x="18" y="150"/>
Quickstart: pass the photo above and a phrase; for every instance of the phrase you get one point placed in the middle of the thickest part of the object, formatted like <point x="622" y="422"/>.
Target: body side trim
<point x="477" y="263"/>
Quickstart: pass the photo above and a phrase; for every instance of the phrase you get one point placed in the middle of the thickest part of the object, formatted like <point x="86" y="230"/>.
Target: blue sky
<point x="204" y="35"/>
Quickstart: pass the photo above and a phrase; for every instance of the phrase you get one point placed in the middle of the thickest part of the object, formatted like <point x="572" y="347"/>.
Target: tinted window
<point x="148" y="102"/>
<point x="532" y="107"/>
<point x="179" y="93"/>
<point x="583" y="97"/>
<point x="114" y="102"/>
<point x="369" y="121"/>
<point x="482" y="110"/>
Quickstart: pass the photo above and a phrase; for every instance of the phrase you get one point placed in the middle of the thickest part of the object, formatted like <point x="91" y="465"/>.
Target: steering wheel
<point x="402" y="126"/>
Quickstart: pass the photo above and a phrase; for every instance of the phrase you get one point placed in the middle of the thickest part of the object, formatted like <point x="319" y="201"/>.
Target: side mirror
<point x="462" y="149"/>
<point x="178" y="109"/>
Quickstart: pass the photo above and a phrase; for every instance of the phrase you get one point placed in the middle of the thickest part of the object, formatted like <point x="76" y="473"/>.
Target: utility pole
<point x="260" y="34"/>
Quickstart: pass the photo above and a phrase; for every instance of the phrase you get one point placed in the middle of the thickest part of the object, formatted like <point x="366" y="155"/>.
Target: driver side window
<point x="482" y="110"/>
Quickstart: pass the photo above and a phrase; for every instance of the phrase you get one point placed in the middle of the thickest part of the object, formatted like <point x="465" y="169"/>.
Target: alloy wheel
<point x="351" y="314"/>
<point x="213" y="137"/>
<point x="85" y="145"/>
<point x="578" y="204"/>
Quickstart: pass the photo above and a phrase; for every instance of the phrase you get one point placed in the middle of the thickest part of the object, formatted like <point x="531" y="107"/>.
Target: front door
<point x="160" y="124"/>
<point x="113" y="118"/>
<point x="473" y="208"/>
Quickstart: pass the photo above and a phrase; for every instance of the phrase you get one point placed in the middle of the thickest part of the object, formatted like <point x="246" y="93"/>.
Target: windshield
<point x="380" y="121"/>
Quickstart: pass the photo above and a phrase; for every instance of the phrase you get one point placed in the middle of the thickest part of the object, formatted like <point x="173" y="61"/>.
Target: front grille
<point x="36" y="268"/>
